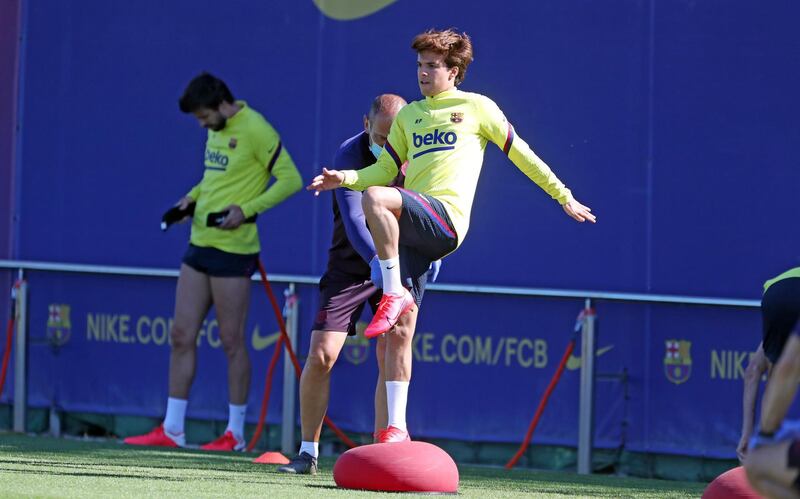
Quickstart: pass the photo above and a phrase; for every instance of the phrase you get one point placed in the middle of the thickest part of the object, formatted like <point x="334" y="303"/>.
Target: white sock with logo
<point x="236" y="420"/>
<point x="174" y="419"/>
<point x="396" y="398"/>
<point x="312" y="448"/>
<point x="390" y="272"/>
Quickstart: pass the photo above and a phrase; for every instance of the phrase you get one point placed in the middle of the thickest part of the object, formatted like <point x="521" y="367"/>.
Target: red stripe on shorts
<point x="428" y="208"/>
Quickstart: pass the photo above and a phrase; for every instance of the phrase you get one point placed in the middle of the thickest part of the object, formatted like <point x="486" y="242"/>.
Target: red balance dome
<point x="397" y="467"/>
<point x="732" y="484"/>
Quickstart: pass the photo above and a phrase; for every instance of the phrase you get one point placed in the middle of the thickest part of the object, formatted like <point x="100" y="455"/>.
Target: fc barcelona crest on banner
<point x="678" y="361"/>
<point x="59" y="326"/>
<point x="356" y="348"/>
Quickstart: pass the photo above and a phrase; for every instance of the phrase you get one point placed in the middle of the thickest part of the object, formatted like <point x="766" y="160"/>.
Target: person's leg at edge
<point x="381" y="409"/>
<point x="382" y="207"/>
<point x="192" y="301"/>
<point x="315" y="386"/>
<point x="231" y="297"/>
<point x="399" y="356"/>
<point x="768" y="471"/>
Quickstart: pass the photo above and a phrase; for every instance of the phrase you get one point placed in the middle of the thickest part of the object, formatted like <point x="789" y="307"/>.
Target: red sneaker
<point x="392" y="434"/>
<point x="227" y="442"/>
<point x="158" y="437"/>
<point x="390" y="308"/>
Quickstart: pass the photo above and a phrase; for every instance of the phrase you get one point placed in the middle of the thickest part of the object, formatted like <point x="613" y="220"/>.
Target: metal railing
<point x="445" y="288"/>
<point x="587" y="376"/>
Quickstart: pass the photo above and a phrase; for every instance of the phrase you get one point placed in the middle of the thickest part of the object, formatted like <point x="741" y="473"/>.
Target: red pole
<point x="9" y="337"/>
<point x="267" y="389"/>
<point x="6" y="353"/>
<point x="542" y="404"/>
<point x="286" y="343"/>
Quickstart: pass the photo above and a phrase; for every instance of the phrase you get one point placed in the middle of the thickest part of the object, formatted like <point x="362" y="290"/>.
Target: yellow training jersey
<point x="240" y="159"/>
<point x="795" y="272"/>
<point x="444" y="138"/>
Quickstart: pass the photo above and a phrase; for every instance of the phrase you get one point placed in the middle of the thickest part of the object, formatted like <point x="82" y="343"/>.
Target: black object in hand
<point x="217" y="218"/>
<point x="176" y="214"/>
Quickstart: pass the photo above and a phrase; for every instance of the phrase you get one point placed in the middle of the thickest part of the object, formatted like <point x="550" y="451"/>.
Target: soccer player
<point x="243" y="152"/>
<point x="773" y="460"/>
<point x="443" y="138"/>
<point x="780" y="306"/>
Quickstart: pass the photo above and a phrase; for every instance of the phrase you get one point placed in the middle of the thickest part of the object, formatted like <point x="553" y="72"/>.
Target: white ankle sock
<point x="396" y="398"/>
<point x="236" y="419"/>
<point x="390" y="272"/>
<point x="311" y="447"/>
<point x="176" y="414"/>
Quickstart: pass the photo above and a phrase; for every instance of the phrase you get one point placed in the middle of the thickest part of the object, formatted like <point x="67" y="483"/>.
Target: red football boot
<point x="159" y="438"/>
<point x="390" y="308"/>
<point x="227" y="442"/>
<point x="392" y="434"/>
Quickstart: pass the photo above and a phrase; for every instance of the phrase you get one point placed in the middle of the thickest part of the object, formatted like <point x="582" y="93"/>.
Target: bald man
<point x="344" y="288"/>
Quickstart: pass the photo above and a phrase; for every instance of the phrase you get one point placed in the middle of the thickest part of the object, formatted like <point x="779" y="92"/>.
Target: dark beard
<point x="219" y="125"/>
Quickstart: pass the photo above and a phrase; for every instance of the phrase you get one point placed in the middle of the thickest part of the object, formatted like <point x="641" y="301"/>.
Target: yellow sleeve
<point x="497" y="129"/>
<point x="270" y="152"/>
<point x="385" y="169"/>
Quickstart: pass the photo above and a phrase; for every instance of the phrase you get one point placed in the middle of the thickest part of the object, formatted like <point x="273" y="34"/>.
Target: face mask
<point x="376" y="149"/>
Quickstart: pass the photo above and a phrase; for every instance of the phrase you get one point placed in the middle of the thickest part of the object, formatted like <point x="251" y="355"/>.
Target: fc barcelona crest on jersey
<point x="456" y="117"/>
<point x="232" y="143"/>
<point x="678" y="361"/>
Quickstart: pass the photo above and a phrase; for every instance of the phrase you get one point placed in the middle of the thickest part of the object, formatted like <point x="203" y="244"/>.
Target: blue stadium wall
<point x="676" y="121"/>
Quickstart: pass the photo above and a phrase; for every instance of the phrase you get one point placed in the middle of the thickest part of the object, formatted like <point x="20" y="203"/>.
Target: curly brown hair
<point x="455" y="46"/>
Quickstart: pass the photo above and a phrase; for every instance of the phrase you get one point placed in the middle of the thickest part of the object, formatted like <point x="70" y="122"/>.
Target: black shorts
<point x="426" y="235"/>
<point x="218" y="263"/>
<point x="342" y="301"/>
<point x="780" y="311"/>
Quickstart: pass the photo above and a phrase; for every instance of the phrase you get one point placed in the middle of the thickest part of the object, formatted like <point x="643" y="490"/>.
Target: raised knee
<point x="372" y="199"/>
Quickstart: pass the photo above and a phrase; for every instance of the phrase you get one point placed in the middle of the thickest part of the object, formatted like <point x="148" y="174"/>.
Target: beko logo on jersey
<point x="216" y="158"/>
<point x="435" y="138"/>
<point x="441" y="140"/>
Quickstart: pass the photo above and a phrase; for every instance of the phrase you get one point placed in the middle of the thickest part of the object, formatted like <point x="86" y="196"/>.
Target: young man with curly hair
<point x="443" y="137"/>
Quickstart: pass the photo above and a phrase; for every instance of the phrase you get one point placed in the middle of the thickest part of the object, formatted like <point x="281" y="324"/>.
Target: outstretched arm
<point x="578" y="211"/>
<point x="328" y="180"/>
<point x="537" y="170"/>
<point x="380" y="173"/>
<point x="497" y="129"/>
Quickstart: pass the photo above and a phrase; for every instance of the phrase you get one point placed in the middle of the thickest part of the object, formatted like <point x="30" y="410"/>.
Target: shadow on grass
<point x="96" y="475"/>
<point x="320" y="486"/>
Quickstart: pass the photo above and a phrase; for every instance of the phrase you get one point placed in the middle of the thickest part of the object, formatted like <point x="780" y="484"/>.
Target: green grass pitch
<point x="33" y="466"/>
